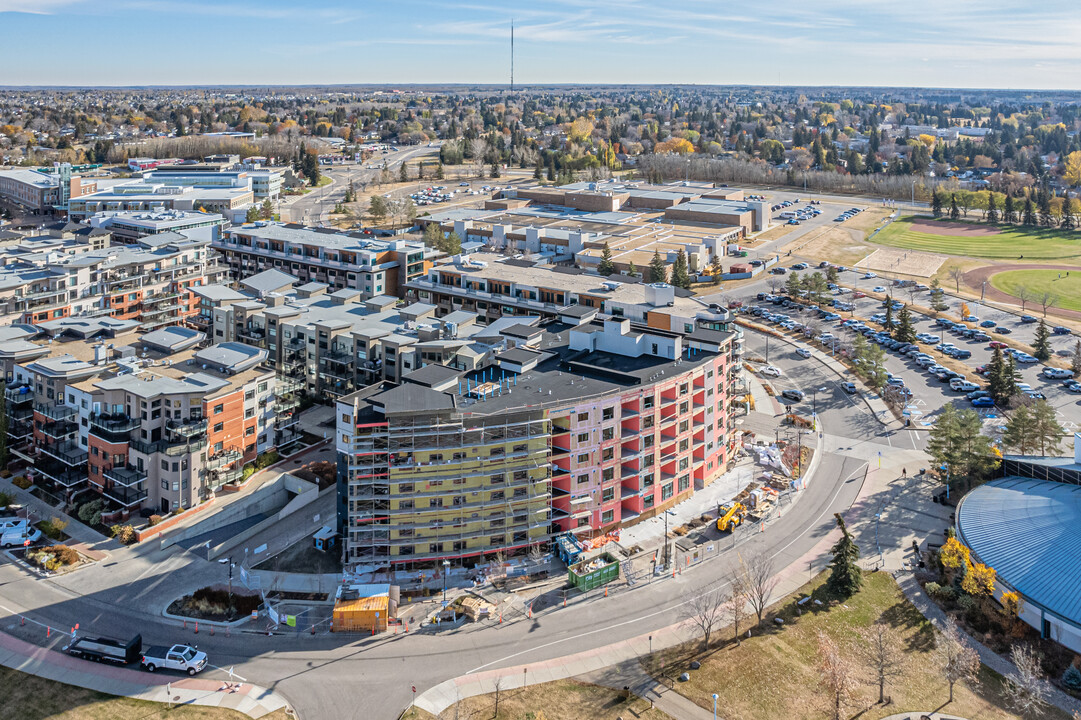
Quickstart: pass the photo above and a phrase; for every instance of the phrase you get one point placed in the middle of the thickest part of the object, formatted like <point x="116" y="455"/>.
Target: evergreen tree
<point x="955" y="212"/>
<point x="658" y="270"/>
<point x="1028" y="216"/>
<point x="606" y="266"/>
<point x="1020" y="430"/>
<point x="1048" y="433"/>
<point x="845" y="578"/>
<point x="632" y="271"/>
<point x="716" y="270"/>
<point x="888" y="322"/>
<point x="992" y="208"/>
<point x="905" y="332"/>
<point x="1046" y="219"/>
<point x="936" y="204"/>
<point x="494" y="170"/>
<point x="1067" y="212"/>
<point x="1075" y="361"/>
<point x="551" y="168"/>
<point x="266" y="210"/>
<point x="452" y="244"/>
<point x="403" y="173"/>
<point x="1010" y="377"/>
<point x="1009" y="214"/>
<point x="996" y="377"/>
<point x="537" y="170"/>
<point x="439" y="171"/>
<point x="252" y="214"/>
<point x="1041" y="347"/>
<point x="793" y="286"/>
<point x="680" y="276"/>
<point x="938" y="303"/>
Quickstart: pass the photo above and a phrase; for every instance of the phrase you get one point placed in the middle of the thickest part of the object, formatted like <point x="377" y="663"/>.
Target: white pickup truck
<point x="178" y="657"/>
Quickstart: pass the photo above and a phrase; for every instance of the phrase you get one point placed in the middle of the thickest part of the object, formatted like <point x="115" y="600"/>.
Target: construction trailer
<point x="364" y="608"/>
<point x="569" y="548"/>
<point x="593" y="572"/>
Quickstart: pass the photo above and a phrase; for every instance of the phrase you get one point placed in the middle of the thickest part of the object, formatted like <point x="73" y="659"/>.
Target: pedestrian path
<point x="252" y="700"/>
<point x="632" y="675"/>
<point x="988" y="657"/>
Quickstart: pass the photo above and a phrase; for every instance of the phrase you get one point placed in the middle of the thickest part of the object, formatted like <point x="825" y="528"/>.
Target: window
<point x="608" y="413"/>
<point x="608" y="494"/>
<point x="666" y="491"/>
<point x="683" y="389"/>
<point x="608" y="433"/>
<point x="683" y="445"/>
<point x="583" y="458"/>
<point x="684" y="483"/>
<point x="683" y="463"/>
<point x="218" y="427"/>
<point x="647" y="503"/>
<point x="648" y="421"/>
<point x="607" y="474"/>
<point x="583" y="479"/>
<point x="583" y="417"/>
<point x="583" y="521"/>
<point x="496" y="479"/>
<point x="607" y="454"/>
<point x="683" y="407"/>
<point x="683" y="425"/>
<point x="218" y="409"/>
<point x="647" y="402"/>
<point x="647" y="480"/>
<point x="647" y="441"/>
<point x="249" y="431"/>
<point x="607" y="517"/>
<point x="583" y="437"/>
<point x="405" y="504"/>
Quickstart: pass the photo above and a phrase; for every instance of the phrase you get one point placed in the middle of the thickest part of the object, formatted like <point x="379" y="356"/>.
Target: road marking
<point x="912" y="433"/>
<point x="669" y="609"/>
<point x="232" y="674"/>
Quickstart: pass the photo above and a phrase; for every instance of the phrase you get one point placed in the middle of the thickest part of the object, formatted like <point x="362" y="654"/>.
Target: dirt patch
<point x="950" y="229"/>
<point x="836" y="245"/>
<point x="904" y="262"/>
<point x="303" y="557"/>
<point x="215" y="603"/>
<point x="975" y="279"/>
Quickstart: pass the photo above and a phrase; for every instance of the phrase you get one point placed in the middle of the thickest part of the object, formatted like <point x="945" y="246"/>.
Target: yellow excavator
<point x="731" y="516"/>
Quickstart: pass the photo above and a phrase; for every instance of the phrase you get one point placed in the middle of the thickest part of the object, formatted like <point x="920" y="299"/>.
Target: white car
<point x="868" y="275"/>
<point x="1056" y="373"/>
<point x="962" y="385"/>
<point x="803" y="352"/>
<point x="771" y="371"/>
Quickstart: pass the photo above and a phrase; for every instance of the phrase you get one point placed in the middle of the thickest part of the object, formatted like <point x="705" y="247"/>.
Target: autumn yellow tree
<point x="1072" y="166"/>
<point x="1011" y="608"/>
<point x="953" y="554"/>
<point x="678" y="146"/>
<point x="979" y="581"/>
<point x="580" y="130"/>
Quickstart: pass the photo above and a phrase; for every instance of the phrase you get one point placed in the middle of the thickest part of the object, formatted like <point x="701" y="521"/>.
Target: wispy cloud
<point x="35" y="7"/>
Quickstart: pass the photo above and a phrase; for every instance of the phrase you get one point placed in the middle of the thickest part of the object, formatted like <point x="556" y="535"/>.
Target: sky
<point x="915" y="43"/>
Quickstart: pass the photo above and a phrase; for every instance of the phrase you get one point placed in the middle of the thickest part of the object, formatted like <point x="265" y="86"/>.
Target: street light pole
<point x="714" y="706"/>
<point x="446" y="569"/>
<point x="666" y="538"/>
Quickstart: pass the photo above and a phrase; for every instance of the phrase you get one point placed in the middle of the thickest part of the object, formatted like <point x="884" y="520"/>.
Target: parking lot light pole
<point x="714" y="706"/>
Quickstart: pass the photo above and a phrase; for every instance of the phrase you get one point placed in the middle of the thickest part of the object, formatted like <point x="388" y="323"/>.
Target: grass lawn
<point x="1009" y="244"/>
<point x="28" y="697"/>
<point x="774" y="674"/>
<point x="1067" y="289"/>
<point x="559" y="700"/>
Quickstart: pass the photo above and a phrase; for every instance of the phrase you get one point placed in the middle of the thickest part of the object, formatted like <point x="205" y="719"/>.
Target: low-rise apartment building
<point x="145" y="421"/>
<point x="343" y="261"/>
<point x="572" y="424"/>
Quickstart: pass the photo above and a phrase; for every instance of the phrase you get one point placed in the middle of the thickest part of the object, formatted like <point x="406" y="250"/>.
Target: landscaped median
<point x="778" y="672"/>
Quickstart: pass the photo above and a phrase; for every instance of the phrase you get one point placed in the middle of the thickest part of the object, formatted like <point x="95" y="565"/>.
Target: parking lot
<point x="929" y="393"/>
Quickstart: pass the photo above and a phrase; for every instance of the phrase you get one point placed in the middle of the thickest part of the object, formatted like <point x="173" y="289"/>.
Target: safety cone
<point x="185" y="624"/>
<point x="196" y="627"/>
<point x="22" y="620"/>
<point x="48" y="631"/>
<point x="313" y="629"/>
<point x="606" y="591"/>
<point x="211" y="629"/>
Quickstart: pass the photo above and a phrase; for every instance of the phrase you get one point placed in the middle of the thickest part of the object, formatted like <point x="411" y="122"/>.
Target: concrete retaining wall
<point x="303" y="499"/>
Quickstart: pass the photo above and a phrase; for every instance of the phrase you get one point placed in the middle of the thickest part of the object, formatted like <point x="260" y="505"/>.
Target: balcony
<point x="52" y="411"/>
<point x="226" y="457"/>
<point x="125" y="496"/>
<point x="252" y="334"/>
<point x="60" y="474"/>
<point x="288" y="384"/>
<point x="286" y="421"/>
<point x="126" y="475"/>
<point x="229" y="475"/>
<point x="18" y="395"/>
<point x="59" y="430"/>
<point x="173" y="449"/>
<point x="288" y="402"/>
<point x="113" y="427"/>
<point x="186" y="428"/>
<point x="67" y="452"/>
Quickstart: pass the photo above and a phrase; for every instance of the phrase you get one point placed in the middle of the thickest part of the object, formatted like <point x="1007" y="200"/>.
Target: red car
<point x="858" y="295"/>
<point x="997" y="344"/>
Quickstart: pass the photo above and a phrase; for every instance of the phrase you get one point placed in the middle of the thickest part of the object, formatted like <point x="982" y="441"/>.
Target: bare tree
<point x="1024" y="295"/>
<point x="735" y="609"/>
<point x="774" y="284"/>
<point x="956" y="658"/>
<point x="498" y="692"/>
<point x="882" y="654"/>
<point x="705" y="611"/>
<point x="755" y="577"/>
<point x="478" y="147"/>
<point x="837" y="675"/>
<point x="1027" y="688"/>
<point x="956" y="274"/>
<point x="1047" y="299"/>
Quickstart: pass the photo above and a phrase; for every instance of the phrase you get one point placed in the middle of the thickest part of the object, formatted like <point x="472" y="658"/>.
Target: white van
<point x="16" y="531"/>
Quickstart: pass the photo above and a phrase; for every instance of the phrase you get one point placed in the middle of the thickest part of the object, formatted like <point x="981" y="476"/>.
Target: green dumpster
<point x="594" y="572"/>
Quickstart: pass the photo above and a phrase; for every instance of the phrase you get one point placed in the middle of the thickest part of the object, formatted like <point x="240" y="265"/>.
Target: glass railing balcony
<point x="19" y="394"/>
<point x="125" y="496"/>
<point x="229" y="475"/>
<point x="226" y="457"/>
<point x="126" y="475"/>
<point x="59" y="430"/>
<point x="52" y="411"/>
<point x="67" y="452"/>
<point x="186" y="428"/>
<point x="60" y="474"/>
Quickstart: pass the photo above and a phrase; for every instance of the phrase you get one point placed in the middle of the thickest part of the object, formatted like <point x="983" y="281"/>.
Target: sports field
<point x="982" y="240"/>
<point x="1066" y="288"/>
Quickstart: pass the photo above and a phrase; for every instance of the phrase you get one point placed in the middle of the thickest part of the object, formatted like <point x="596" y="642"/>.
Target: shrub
<point x="53" y="528"/>
<point x="6" y="499"/>
<point x="5" y="473"/>
<point x="942" y="593"/>
<point x="1072" y="678"/>
<point x="267" y="459"/>
<point x="22" y="483"/>
<point x="932" y="589"/>
<point x="154" y="520"/>
<point x="64" y="554"/>
<point x="968" y="604"/>
<point x="124" y="533"/>
<point x="90" y="513"/>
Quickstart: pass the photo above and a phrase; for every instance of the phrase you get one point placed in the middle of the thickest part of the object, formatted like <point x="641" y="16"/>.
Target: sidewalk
<point x="252" y="700"/>
<point x="631" y="675"/>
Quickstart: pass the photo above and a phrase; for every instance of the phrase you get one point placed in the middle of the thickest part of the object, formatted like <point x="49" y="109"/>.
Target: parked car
<point x="983" y="401"/>
<point x="988" y="323"/>
<point x="1028" y="319"/>
<point x="793" y="395"/>
<point x="849" y="388"/>
<point x="1052" y="373"/>
<point x="997" y="344"/>
<point x="178" y="657"/>
<point x="803" y="352"/>
<point x="771" y="371"/>
<point x="1060" y="330"/>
